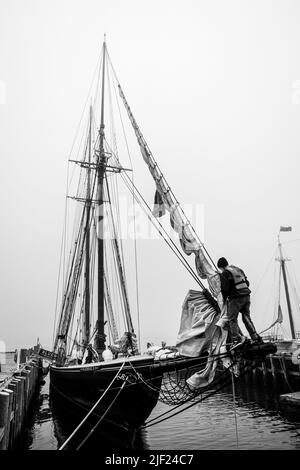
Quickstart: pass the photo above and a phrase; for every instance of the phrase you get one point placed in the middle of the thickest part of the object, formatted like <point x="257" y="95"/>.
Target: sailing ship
<point x="115" y="382"/>
<point x="282" y="365"/>
<point x="287" y="336"/>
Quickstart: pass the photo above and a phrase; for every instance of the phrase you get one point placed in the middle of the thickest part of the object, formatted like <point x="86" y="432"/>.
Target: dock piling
<point x="16" y="395"/>
<point x="4" y="411"/>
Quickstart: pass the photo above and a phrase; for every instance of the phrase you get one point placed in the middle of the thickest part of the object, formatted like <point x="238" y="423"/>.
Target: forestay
<point x="201" y="325"/>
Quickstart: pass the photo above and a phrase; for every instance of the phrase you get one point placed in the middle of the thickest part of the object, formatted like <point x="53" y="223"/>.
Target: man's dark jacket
<point x="228" y="287"/>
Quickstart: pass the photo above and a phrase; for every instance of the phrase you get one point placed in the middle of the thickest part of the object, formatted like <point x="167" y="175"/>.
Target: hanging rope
<point x="135" y="189"/>
<point x="208" y="390"/>
<point x="92" y="409"/>
<point x="161" y="230"/>
<point x="266" y="269"/>
<point x="102" y="417"/>
<point x="294" y="289"/>
<point x="157" y="420"/>
<point x="282" y="363"/>
<point x="234" y="407"/>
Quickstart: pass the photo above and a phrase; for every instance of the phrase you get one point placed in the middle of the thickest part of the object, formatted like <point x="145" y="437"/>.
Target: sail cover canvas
<point x="200" y="331"/>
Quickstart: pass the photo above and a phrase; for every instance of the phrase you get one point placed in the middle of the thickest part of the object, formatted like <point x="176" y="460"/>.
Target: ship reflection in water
<point x="52" y="424"/>
<point x="262" y="423"/>
<point x="109" y="435"/>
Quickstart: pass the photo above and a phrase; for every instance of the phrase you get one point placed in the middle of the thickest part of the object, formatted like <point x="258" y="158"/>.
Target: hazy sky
<point x="215" y="88"/>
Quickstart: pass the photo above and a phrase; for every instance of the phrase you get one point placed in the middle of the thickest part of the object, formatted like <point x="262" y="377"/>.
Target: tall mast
<point x="282" y="261"/>
<point x="100" y="336"/>
<point x="86" y="323"/>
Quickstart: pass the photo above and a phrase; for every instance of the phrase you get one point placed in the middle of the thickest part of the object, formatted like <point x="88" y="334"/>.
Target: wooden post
<point x="25" y="375"/>
<point x="254" y="373"/>
<point x="284" y="369"/>
<point x="29" y="369"/>
<point x="15" y="401"/>
<point x="23" y="356"/>
<point x="18" y="407"/>
<point x="18" y="358"/>
<point x="247" y="375"/>
<point x="273" y="370"/>
<point x="36" y="376"/>
<point x="13" y="424"/>
<point x="24" y="396"/>
<point x="21" y="399"/>
<point x="9" y="420"/>
<point x="4" y="410"/>
<point x="264" y="373"/>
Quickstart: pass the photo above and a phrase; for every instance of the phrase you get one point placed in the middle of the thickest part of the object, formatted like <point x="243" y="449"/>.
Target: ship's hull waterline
<point x="80" y="387"/>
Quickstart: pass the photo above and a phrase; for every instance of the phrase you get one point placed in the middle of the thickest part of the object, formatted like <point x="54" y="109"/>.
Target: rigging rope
<point x="169" y="189"/>
<point x="295" y="292"/>
<point x="282" y="363"/>
<point x="226" y="383"/>
<point x="120" y="266"/>
<point x="167" y="239"/>
<point x="157" y="421"/>
<point x="267" y="267"/>
<point x="136" y="129"/>
<point x="69" y="178"/>
<point x="180" y="392"/>
<point x="102" y="417"/>
<point x="134" y="214"/>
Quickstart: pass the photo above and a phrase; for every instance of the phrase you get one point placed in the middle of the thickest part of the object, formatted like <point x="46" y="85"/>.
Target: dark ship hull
<point x="76" y="389"/>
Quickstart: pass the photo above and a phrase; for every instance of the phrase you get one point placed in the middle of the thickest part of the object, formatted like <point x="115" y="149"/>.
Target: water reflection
<point x="52" y="424"/>
<point x="256" y="390"/>
<point x="109" y="436"/>
<point x="263" y="422"/>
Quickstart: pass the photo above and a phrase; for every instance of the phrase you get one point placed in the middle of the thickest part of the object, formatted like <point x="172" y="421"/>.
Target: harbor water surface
<point x="251" y="418"/>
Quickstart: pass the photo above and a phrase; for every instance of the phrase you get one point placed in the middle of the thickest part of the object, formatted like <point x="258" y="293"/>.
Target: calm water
<point x="261" y="423"/>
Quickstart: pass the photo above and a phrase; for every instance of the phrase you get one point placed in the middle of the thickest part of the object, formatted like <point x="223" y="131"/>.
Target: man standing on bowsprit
<point x="235" y="289"/>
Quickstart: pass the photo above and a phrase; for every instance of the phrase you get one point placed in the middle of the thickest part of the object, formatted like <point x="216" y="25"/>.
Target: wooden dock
<point x="17" y="391"/>
<point x="280" y="371"/>
<point x="291" y="399"/>
<point x="285" y="362"/>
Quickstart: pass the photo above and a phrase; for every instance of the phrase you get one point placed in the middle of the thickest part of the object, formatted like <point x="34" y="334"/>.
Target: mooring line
<point x="281" y="361"/>
<point x="102" y="417"/>
<point x="92" y="409"/>
<point x="158" y="419"/>
<point x="234" y="406"/>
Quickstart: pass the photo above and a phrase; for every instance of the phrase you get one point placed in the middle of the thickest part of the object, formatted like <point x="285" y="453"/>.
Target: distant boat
<point x="283" y="364"/>
<point x="284" y="278"/>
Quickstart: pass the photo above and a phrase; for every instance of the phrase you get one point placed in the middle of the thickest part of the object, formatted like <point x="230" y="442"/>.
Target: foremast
<point x="87" y="302"/>
<point x="99" y="342"/>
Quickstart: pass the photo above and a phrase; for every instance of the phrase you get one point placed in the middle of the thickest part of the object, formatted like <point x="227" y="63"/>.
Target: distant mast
<point x="282" y="261"/>
<point x="101" y="164"/>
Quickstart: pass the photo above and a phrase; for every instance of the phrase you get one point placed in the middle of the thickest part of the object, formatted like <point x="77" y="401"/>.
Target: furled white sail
<point x="202" y="326"/>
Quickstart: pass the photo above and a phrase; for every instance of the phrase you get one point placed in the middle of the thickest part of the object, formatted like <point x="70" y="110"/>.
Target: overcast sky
<point x="215" y="88"/>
